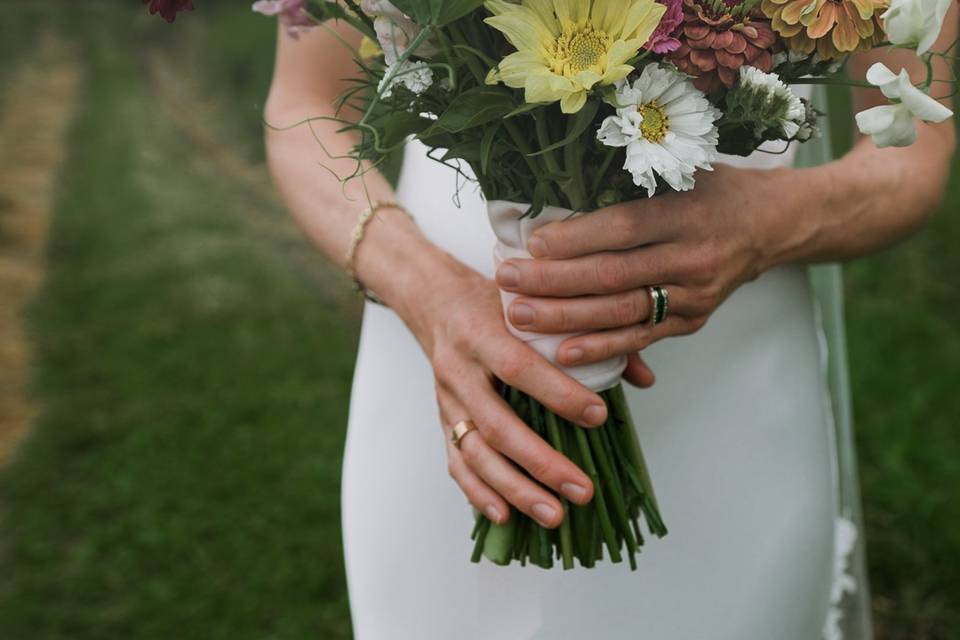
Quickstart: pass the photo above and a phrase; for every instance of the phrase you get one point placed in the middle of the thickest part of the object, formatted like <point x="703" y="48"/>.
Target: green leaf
<point x="486" y="148"/>
<point x="437" y="12"/>
<point x="474" y="108"/>
<point x="527" y="107"/>
<point x="400" y="125"/>
<point x="582" y="120"/>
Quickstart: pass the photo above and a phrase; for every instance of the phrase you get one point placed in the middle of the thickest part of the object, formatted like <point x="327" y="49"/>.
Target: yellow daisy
<point x="566" y="47"/>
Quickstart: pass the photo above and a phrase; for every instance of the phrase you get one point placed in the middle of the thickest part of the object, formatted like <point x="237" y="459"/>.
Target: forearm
<point x="394" y="259"/>
<point x="862" y="203"/>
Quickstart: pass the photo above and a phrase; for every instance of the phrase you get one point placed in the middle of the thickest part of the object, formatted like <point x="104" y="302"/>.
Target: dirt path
<point x="38" y="106"/>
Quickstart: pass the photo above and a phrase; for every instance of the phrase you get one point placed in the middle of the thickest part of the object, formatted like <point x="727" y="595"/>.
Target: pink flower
<point x="168" y="8"/>
<point x="662" y="40"/>
<point x="290" y="12"/>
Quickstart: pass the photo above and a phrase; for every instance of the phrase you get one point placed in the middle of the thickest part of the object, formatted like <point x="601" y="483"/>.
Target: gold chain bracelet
<point x="356" y="237"/>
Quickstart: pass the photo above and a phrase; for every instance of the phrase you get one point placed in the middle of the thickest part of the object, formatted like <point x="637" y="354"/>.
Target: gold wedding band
<point x="460" y="430"/>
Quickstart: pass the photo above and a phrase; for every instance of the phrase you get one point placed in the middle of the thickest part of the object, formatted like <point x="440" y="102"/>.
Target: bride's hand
<point x="594" y="270"/>
<point x="459" y="323"/>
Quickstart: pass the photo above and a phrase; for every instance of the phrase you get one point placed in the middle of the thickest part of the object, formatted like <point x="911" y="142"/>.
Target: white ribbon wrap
<point x="513" y="231"/>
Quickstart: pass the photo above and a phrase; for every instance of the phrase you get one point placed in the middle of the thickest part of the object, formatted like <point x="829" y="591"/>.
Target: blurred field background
<point x="189" y="355"/>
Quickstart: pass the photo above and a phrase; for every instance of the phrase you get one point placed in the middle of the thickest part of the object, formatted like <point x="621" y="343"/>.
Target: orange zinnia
<point x="831" y="27"/>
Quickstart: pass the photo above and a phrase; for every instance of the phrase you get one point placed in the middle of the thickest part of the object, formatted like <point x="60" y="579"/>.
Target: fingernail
<point x="544" y="514"/>
<point x="537" y="247"/>
<point x="595" y="414"/>
<point x="508" y="275"/>
<point x="573" y="491"/>
<point x="521" y="314"/>
<point x="492" y="513"/>
<point x="574" y="355"/>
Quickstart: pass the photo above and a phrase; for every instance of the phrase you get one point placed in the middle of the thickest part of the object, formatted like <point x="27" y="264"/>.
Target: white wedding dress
<point x="737" y="433"/>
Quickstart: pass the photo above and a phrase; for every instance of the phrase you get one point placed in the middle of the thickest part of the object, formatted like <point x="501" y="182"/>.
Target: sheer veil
<point x="850" y="617"/>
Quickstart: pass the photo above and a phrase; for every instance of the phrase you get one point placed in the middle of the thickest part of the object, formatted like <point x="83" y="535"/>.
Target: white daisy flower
<point x="667" y="126"/>
<point x="793" y="113"/>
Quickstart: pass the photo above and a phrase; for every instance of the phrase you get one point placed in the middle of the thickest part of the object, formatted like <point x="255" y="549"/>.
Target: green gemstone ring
<point x="659" y="305"/>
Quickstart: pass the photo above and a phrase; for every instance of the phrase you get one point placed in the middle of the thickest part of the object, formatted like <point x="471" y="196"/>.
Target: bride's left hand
<point x="593" y="272"/>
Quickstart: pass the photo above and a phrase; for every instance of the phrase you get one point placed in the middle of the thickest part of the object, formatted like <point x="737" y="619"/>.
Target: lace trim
<point x="844" y="542"/>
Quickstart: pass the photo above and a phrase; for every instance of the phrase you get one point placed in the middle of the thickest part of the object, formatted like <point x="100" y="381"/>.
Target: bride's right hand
<point x="460" y="325"/>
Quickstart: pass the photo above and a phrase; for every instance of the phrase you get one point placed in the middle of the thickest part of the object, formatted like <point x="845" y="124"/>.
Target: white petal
<point x="875" y="120"/>
<point x="922" y="105"/>
<point x="881" y="76"/>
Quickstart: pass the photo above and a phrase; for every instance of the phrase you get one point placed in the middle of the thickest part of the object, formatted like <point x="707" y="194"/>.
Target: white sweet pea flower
<point x="915" y="23"/>
<point x="395" y="31"/>
<point x="892" y="125"/>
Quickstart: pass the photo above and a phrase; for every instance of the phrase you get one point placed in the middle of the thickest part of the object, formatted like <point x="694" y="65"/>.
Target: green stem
<point x="543" y="139"/>
<point x="364" y="18"/>
<point x="566" y="535"/>
<point x="618" y="402"/>
<point x="616" y="491"/>
<point x="573" y="163"/>
<point x="599" y="501"/>
<point x="417" y="41"/>
<point x="602" y="172"/>
<point x="838" y="82"/>
<point x="484" y="527"/>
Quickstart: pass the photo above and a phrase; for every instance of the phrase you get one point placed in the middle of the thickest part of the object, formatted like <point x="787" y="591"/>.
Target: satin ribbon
<point x="513" y="231"/>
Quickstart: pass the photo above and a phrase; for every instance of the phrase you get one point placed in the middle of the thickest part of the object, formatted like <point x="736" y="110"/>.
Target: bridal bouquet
<point x="559" y="107"/>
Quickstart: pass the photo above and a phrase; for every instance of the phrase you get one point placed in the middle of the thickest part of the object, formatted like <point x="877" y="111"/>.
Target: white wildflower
<point x="792" y="115"/>
<point x="915" y="23"/>
<point x="892" y="125"/>
<point x="415" y="76"/>
<point x="667" y="126"/>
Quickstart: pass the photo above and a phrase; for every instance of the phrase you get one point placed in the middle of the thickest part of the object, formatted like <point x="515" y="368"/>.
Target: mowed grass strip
<point x="194" y="367"/>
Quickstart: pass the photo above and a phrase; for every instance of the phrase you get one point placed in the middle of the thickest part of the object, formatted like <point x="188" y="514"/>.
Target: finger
<point x="479" y="493"/>
<point x="503" y="431"/>
<point x="601" y="345"/>
<point x="591" y="313"/>
<point x="638" y="373"/>
<point x="509" y="482"/>
<point x="596" y="274"/>
<point x="519" y="366"/>
<point x="623" y="226"/>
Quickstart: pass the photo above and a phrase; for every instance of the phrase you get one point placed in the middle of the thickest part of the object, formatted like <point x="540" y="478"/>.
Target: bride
<point x="737" y="431"/>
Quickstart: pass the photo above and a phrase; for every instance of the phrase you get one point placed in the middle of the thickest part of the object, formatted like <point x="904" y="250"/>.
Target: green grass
<point x="194" y="369"/>
<point x="904" y="331"/>
<point x="195" y="359"/>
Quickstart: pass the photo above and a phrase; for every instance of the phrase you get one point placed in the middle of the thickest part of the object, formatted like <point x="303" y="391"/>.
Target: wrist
<point x="798" y="204"/>
<point x="411" y="275"/>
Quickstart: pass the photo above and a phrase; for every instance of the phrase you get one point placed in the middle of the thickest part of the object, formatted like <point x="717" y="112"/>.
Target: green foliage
<point x="194" y="365"/>
<point x="474" y="108"/>
<point x="437" y="12"/>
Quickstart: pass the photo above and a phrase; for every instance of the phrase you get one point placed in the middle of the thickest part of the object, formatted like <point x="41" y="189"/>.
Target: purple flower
<point x="168" y="8"/>
<point x="662" y="40"/>
<point x="291" y="13"/>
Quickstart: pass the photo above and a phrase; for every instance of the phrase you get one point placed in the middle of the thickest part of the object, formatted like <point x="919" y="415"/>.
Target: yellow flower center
<point x="655" y="123"/>
<point x="579" y="50"/>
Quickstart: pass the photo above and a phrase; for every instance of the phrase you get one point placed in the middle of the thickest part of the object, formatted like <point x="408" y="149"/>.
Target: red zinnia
<point x="168" y="9"/>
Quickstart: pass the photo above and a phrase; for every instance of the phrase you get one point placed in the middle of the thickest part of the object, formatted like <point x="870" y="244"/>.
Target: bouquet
<point x="560" y="107"/>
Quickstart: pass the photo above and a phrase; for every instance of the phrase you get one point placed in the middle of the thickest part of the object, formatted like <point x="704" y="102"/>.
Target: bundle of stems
<point x="612" y="457"/>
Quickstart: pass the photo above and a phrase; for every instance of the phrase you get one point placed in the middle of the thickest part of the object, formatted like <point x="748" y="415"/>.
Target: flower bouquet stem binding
<point x="610" y="454"/>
